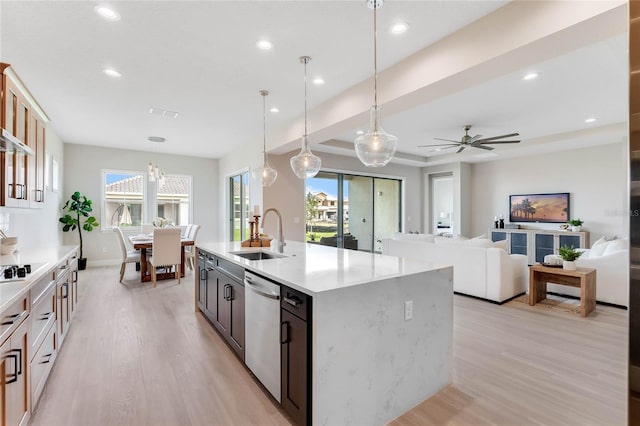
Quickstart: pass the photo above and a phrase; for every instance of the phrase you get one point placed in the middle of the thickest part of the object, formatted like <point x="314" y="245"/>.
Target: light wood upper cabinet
<point x="23" y="175"/>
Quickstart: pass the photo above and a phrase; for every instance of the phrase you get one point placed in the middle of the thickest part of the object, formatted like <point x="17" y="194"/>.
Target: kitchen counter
<point x="45" y="258"/>
<point x="314" y="269"/>
<point x="381" y="328"/>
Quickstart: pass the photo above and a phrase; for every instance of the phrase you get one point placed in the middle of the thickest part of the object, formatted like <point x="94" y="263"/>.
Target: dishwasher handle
<point x="248" y="281"/>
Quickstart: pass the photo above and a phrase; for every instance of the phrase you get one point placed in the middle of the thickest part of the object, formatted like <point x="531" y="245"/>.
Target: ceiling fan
<point x="469" y="141"/>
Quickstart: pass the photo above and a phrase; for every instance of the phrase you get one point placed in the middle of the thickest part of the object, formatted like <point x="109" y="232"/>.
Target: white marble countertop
<point x="42" y="259"/>
<point x="313" y="268"/>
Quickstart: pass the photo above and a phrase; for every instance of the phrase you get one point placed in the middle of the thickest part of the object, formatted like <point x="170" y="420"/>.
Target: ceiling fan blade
<point x="461" y="149"/>
<point x="488" y="148"/>
<point x="447" y="140"/>
<point x="500" y="137"/>
<point x="441" y="149"/>
<point x="474" y="139"/>
<point x="487" y="143"/>
<point x="439" y="144"/>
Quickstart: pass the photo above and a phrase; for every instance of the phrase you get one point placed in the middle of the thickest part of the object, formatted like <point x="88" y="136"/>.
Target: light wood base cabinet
<point x="14" y="378"/>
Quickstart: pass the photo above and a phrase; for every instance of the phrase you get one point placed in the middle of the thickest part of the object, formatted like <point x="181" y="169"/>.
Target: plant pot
<point x="569" y="265"/>
<point x="576" y="228"/>
<point x="82" y="264"/>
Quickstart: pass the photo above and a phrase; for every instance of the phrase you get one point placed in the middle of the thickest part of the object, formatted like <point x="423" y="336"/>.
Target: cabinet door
<point x="223" y="307"/>
<point x="294" y="367"/>
<point x="211" y="303"/>
<point x="63" y="309"/>
<point x="519" y="243"/>
<point x="15" y="380"/>
<point x="236" y="325"/>
<point x="544" y="245"/>
<point x="201" y="289"/>
<point x="36" y="163"/>
<point x="498" y="236"/>
<point x="570" y="240"/>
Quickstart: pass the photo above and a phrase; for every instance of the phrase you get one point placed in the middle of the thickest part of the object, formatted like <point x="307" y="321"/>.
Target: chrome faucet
<point x="281" y="243"/>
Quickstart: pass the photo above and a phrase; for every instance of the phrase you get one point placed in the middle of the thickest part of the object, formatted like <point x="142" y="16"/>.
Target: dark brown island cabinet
<point x="220" y="296"/>
<point x="295" y="359"/>
<point x="223" y="300"/>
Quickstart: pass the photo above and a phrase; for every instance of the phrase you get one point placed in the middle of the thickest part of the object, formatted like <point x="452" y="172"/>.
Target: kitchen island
<point x="380" y="332"/>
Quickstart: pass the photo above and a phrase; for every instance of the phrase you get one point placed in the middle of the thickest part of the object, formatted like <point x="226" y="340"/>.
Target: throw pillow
<point x="598" y="248"/>
<point x="501" y="244"/>
<point x="616" y="245"/>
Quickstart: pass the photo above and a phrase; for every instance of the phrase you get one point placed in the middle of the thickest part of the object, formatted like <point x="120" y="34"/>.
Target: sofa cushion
<point x="615" y="246"/>
<point x="425" y="238"/>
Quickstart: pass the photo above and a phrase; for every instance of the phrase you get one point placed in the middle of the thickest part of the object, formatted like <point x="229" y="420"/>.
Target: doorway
<point x="442" y="204"/>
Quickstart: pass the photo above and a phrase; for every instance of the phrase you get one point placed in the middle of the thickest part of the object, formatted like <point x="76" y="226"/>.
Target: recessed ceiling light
<point x="318" y="81"/>
<point x="530" y="76"/>
<point x="107" y="13"/>
<point x="264" y="45"/>
<point x="399" y="28"/>
<point x="590" y="120"/>
<point x="156" y="139"/>
<point x="360" y="132"/>
<point x="274" y="109"/>
<point x="112" y="73"/>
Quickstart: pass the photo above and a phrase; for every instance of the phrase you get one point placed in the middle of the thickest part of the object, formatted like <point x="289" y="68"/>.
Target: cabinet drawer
<point x="296" y="302"/>
<point x="41" y="365"/>
<point x="41" y="287"/>
<point x="231" y="269"/>
<point x="12" y="317"/>
<point x="43" y="315"/>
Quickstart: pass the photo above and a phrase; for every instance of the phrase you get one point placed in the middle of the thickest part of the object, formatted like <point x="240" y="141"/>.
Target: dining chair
<point x="189" y="252"/>
<point x="128" y="256"/>
<point x="187" y="231"/>
<point x="166" y="251"/>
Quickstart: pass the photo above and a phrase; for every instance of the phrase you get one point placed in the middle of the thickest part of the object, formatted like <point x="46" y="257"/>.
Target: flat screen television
<point x="549" y="208"/>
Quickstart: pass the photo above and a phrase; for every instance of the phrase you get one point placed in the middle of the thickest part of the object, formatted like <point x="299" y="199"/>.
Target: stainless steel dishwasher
<point x="262" y="331"/>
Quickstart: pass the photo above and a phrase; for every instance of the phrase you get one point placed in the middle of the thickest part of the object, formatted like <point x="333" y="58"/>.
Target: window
<point x="129" y="199"/>
<point x="123" y="199"/>
<point x="239" y="207"/>
<point x="173" y="199"/>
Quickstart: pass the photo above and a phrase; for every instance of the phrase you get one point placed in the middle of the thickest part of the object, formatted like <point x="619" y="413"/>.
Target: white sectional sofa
<point x="479" y="268"/>
<point x="611" y="260"/>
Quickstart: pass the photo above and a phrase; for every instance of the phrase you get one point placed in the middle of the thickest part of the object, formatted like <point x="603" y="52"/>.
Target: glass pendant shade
<point x="376" y="147"/>
<point x="305" y="164"/>
<point x="266" y="174"/>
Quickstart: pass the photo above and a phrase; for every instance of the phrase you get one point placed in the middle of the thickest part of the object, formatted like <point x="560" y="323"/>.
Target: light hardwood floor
<point x="136" y="355"/>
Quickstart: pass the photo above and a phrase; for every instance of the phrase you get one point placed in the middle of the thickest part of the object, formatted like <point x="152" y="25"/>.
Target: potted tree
<point x="569" y="256"/>
<point x="77" y="216"/>
<point x="576" y="225"/>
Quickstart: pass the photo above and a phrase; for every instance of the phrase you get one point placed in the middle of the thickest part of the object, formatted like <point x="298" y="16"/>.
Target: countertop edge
<point x="62" y="253"/>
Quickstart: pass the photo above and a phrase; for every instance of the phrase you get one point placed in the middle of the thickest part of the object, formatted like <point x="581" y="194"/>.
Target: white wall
<point x="39" y="228"/>
<point x="83" y="172"/>
<point x="596" y="177"/>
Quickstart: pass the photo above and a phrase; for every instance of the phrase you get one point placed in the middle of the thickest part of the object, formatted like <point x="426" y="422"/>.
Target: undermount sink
<point x="257" y="255"/>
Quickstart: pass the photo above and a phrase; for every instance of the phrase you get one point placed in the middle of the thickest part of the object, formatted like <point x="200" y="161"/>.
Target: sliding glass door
<point x="352" y="211"/>
<point x="239" y="207"/>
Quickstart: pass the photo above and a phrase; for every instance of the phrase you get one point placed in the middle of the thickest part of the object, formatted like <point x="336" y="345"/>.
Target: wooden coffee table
<point x="584" y="278"/>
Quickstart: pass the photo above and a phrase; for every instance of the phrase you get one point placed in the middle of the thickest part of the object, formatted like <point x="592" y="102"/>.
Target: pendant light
<point x="376" y="147"/>
<point x="305" y="164"/>
<point x="266" y="173"/>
